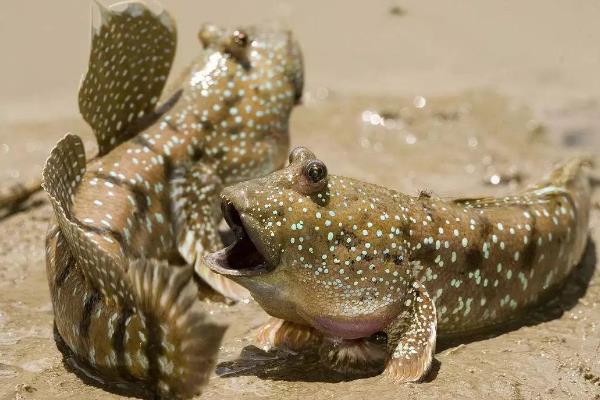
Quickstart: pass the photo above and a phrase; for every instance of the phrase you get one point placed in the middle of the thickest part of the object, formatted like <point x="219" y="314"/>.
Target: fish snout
<point x="238" y="196"/>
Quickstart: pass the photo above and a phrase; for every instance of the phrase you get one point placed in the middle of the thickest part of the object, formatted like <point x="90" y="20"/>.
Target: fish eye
<point x="315" y="171"/>
<point x="240" y="38"/>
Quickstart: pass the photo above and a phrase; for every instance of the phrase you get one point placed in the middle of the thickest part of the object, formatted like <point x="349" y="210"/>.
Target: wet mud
<point x="470" y="144"/>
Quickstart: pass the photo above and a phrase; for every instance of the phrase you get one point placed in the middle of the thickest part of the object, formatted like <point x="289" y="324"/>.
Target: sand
<point x="473" y="93"/>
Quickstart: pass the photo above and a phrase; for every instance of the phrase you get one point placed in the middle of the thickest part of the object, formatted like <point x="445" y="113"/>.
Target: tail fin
<point x="185" y="343"/>
<point x="132" y="53"/>
<point x="568" y="172"/>
<point x="162" y="301"/>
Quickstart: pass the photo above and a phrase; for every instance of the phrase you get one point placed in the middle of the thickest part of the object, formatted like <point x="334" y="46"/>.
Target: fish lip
<point x="246" y="247"/>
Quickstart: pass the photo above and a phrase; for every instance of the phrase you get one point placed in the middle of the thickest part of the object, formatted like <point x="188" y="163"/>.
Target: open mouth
<point x="242" y="257"/>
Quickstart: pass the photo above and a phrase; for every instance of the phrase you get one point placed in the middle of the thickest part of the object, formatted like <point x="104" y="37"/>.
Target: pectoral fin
<point x="186" y="342"/>
<point x="411" y="338"/>
<point x="280" y="334"/>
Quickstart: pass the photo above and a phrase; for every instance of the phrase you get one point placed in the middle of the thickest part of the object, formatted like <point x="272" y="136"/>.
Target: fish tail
<point x="132" y="320"/>
<point x="162" y="343"/>
<point x="571" y="181"/>
<point x="569" y="172"/>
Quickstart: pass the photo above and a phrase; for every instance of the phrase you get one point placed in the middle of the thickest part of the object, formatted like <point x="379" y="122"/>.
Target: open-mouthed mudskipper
<point x="336" y="260"/>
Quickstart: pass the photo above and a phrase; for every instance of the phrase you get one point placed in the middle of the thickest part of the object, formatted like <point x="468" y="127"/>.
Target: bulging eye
<point x="310" y="173"/>
<point x="315" y="171"/>
<point x="237" y="45"/>
<point x="240" y="38"/>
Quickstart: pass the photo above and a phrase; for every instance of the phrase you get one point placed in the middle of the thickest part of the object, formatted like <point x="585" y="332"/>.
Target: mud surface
<point x="451" y="146"/>
<point x="471" y="143"/>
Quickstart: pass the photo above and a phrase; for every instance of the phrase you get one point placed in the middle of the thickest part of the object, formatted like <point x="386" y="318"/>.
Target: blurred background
<point x="542" y="51"/>
<point x="368" y="65"/>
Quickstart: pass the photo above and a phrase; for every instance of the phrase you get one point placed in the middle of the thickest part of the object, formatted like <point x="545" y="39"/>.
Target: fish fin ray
<point x="412" y="338"/>
<point x="188" y="342"/>
<point x="287" y="335"/>
<point x="131" y="55"/>
<point x="196" y="202"/>
<point x="61" y="177"/>
<point x="221" y="284"/>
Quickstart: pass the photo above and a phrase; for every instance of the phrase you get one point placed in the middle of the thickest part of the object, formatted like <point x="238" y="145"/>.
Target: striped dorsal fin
<point x="61" y="177"/>
<point x="131" y="56"/>
<point x="185" y="343"/>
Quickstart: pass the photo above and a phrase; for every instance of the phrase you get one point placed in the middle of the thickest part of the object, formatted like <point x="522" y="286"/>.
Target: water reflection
<point x="512" y="176"/>
<point x="316" y="95"/>
<point x="420" y="101"/>
<point x="381" y="128"/>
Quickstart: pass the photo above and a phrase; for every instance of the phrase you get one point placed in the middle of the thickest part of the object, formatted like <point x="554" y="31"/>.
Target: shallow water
<point x="451" y="146"/>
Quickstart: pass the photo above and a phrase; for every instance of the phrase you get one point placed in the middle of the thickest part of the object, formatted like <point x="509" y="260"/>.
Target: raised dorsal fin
<point x="163" y="299"/>
<point x="132" y="52"/>
<point x="62" y="175"/>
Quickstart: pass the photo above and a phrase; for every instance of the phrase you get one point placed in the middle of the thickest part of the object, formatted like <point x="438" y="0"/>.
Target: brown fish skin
<point x="230" y="124"/>
<point x="348" y="259"/>
<point x="220" y="126"/>
<point x="153" y="195"/>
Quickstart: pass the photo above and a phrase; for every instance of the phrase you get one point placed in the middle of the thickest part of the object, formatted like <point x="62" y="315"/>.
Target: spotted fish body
<point x="350" y="259"/>
<point x="150" y="198"/>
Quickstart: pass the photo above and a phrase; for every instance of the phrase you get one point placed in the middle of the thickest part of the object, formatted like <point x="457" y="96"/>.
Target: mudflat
<point x="459" y="100"/>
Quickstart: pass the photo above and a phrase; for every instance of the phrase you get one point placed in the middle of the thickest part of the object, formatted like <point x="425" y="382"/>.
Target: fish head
<point x="306" y="247"/>
<point x="247" y="81"/>
<point x="265" y="48"/>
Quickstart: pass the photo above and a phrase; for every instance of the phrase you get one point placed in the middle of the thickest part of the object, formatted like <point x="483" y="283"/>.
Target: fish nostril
<point x="243" y="202"/>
